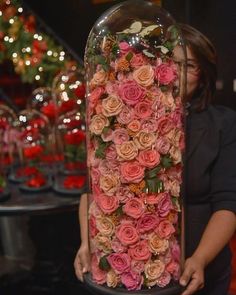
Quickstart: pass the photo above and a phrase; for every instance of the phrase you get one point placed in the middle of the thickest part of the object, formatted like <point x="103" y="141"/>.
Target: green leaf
<point x="166" y="162"/>
<point x="153" y="172"/>
<point x="153" y="185"/>
<point x="104" y="264"/>
<point x="100" y="152"/>
<point x="129" y="56"/>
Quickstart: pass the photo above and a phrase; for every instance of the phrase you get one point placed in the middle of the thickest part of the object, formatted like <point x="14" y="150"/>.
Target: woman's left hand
<point x="193" y="276"/>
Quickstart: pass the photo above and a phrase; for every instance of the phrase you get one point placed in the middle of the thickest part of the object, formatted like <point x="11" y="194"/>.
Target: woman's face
<point x="193" y="71"/>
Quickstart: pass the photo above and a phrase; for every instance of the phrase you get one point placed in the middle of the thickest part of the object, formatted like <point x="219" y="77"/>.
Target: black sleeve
<point x="223" y="178"/>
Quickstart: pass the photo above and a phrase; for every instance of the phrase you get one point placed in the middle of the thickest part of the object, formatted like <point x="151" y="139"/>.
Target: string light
<point x="49" y="52"/>
<point x="11" y="21"/>
<point x="0" y="13"/>
<point x="11" y="40"/>
<point x="20" y="9"/>
<point x="61" y="58"/>
<point x="55" y="54"/>
<point x="40" y="69"/>
<point x="36" y="36"/>
<point x="14" y="55"/>
<point x="37" y="77"/>
<point x="6" y="38"/>
<point x="28" y="49"/>
<point x="40" y="38"/>
<point x="27" y="62"/>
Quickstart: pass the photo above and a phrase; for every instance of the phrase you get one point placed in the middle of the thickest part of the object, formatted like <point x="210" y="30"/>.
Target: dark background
<point x="72" y="20"/>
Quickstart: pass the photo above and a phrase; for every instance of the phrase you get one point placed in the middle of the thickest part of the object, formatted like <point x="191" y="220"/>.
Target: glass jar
<point x="71" y="177"/>
<point x="8" y="148"/>
<point x="135" y="141"/>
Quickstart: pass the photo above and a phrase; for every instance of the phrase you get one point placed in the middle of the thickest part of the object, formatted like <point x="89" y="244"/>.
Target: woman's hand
<point x="82" y="261"/>
<point x="193" y="275"/>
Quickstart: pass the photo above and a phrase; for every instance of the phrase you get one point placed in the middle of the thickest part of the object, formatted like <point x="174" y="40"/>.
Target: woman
<point x="210" y="177"/>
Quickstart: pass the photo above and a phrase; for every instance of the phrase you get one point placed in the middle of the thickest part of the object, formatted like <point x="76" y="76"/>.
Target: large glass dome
<point x="135" y="141"/>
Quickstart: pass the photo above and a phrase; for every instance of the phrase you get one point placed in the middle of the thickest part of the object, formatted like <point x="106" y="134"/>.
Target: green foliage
<point x="104" y="264"/>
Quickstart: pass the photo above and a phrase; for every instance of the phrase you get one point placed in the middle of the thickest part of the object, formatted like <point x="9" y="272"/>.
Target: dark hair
<point x="205" y="54"/>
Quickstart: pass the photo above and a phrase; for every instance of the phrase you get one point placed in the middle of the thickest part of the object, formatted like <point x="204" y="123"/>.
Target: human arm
<point x="82" y="259"/>
<point x="217" y="234"/>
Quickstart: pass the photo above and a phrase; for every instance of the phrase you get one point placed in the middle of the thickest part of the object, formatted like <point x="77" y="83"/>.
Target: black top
<point x="210" y="175"/>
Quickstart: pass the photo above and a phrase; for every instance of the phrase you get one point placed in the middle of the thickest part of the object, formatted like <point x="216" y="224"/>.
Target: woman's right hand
<point x="82" y="261"/>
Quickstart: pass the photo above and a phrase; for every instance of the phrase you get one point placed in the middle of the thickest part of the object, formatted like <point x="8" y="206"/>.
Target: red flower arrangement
<point x="74" y="181"/>
<point x="33" y="152"/>
<point x="75" y="137"/>
<point x="37" y="181"/>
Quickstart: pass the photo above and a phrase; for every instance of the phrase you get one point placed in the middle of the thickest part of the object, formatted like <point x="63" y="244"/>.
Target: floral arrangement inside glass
<point x="8" y="147"/>
<point x="135" y="141"/>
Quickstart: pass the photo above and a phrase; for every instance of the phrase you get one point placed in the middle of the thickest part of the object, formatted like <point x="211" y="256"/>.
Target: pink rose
<point x="164" y="125"/>
<point x="134" y="126"/>
<point x="124" y="47"/>
<point x="157" y="245"/>
<point x="98" y="123"/>
<point x="92" y="226"/>
<point x="145" y="140"/>
<point x="151" y="199"/>
<point x="137" y="266"/>
<point x="127" y="151"/>
<point x="131" y="280"/>
<point x="95" y="95"/>
<point x="99" y="276"/>
<point x="99" y="78"/>
<point x="131" y="93"/>
<point x="164" y="279"/>
<point x="123" y="194"/>
<point x="162" y="145"/>
<point x="131" y="172"/>
<point x="174" y="268"/>
<point x="165" y="73"/>
<point x="153" y="271"/>
<point x="144" y="75"/>
<point x="140" y="251"/>
<point x="143" y="109"/>
<point x="109" y="183"/>
<point x="112" y="105"/>
<point x="164" y="205"/>
<point x="126" y="115"/>
<point x="127" y="234"/>
<point x="149" y="158"/>
<point x="134" y="208"/>
<point x="108" y="204"/>
<point x="147" y="222"/>
<point x="111" y="153"/>
<point x="137" y="60"/>
<point x="120" y="135"/>
<point x="117" y="246"/>
<point x="165" y="229"/>
<point x="175" y="251"/>
<point x="120" y="262"/>
<point x="95" y="175"/>
<point x="111" y="88"/>
<point x="149" y="125"/>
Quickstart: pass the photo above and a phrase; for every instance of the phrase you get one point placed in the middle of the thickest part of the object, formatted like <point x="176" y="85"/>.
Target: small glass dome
<point x="68" y="91"/>
<point x="135" y="139"/>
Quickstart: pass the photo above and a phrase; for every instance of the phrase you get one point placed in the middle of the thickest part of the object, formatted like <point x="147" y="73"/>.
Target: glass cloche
<point x="135" y="141"/>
